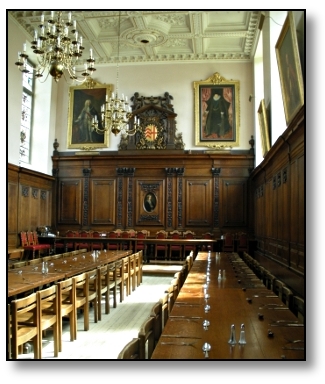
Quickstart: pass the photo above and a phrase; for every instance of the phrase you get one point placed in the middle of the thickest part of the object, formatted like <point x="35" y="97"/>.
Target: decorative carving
<point x="216" y="174"/>
<point x="43" y="195"/>
<point x="35" y="193"/>
<point x="86" y="172"/>
<point x="279" y="179"/>
<point x="157" y="125"/>
<point x="284" y="175"/>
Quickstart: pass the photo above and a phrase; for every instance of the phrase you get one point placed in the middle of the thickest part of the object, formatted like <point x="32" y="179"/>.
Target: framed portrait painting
<point x="216" y="112"/>
<point x="85" y="105"/>
<point x="289" y="64"/>
<point x="264" y="127"/>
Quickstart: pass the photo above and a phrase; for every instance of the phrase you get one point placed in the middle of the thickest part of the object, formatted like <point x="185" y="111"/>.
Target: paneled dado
<point x="198" y="191"/>
<point x="277" y="188"/>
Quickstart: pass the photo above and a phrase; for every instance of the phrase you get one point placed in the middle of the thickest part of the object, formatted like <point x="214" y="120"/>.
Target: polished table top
<point x="239" y="298"/>
<point x="29" y="277"/>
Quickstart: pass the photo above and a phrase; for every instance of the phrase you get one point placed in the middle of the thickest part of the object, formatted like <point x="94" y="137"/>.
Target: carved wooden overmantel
<point x="157" y="125"/>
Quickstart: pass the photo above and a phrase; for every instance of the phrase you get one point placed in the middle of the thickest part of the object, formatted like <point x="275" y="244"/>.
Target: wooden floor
<point x="106" y="338"/>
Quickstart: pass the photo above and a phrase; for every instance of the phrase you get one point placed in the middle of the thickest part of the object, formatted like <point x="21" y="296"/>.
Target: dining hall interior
<point x="172" y="214"/>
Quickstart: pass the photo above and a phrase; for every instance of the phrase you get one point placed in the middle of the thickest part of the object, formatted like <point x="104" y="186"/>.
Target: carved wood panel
<point x="199" y="207"/>
<point x="103" y="201"/>
<point x="70" y="196"/>
<point x="234" y="202"/>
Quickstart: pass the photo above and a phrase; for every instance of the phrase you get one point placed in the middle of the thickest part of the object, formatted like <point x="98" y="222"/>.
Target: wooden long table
<point x="30" y="277"/>
<point x="272" y="331"/>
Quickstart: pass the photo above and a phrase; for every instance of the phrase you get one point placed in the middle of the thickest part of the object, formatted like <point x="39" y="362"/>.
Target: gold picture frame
<point x="217" y="112"/>
<point x="264" y="127"/>
<point x="287" y="54"/>
<point x="84" y="104"/>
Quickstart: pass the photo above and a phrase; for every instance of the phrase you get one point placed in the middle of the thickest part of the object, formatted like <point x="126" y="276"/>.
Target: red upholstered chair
<point x="161" y="247"/>
<point x="207" y="235"/>
<point x="44" y="247"/>
<point x="96" y="246"/>
<point x="70" y="246"/>
<point x="110" y="244"/>
<point x="125" y="245"/>
<point x="25" y="238"/>
<point x="190" y="247"/>
<point x="80" y="244"/>
<point x="242" y="244"/>
<point x="228" y="243"/>
<point x="140" y="246"/>
<point x="175" y="248"/>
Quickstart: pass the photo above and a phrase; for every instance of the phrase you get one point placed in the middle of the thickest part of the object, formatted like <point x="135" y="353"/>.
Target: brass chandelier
<point x="116" y="112"/>
<point x="58" y="47"/>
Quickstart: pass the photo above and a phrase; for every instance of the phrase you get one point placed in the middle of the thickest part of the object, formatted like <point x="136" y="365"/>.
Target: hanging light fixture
<point x="116" y="112"/>
<point x="58" y="48"/>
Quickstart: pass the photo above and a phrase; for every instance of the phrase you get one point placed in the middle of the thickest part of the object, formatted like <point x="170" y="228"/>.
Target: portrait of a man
<point x="150" y="202"/>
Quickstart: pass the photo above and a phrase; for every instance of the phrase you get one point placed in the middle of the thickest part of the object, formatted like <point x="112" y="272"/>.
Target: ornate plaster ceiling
<point x="161" y="36"/>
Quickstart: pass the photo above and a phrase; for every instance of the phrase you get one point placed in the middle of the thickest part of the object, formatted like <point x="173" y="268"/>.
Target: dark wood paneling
<point x="29" y="201"/>
<point x="70" y="198"/>
<point x="279" y="185"/>
<point x="103" y="202"/>
<point x="199" y="207"/>
<point x="234" y="202"/>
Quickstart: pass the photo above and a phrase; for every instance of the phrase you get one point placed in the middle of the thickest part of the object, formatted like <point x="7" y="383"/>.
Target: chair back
<point x="131" y="350"/>
<point x="48" y="315"/>
<point x="66" y="306"/>
<point x="25" y="323"/>
<point x="147" y="338"/>
<point x="156" y="313"/>
<point x="189" y="235"/>
<point x="24" y="239"/>
<point x="161" y="235"/>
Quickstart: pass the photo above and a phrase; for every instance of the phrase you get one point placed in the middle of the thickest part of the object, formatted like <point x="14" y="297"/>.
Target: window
<point x="26" y="116"/>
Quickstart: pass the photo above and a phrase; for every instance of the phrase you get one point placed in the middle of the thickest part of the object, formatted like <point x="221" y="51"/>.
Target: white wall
<point x="51" y="110"/>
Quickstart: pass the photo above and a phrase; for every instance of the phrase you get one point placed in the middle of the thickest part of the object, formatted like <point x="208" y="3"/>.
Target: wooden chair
<point x="191" y="247"/>
<point x="119" y="266"/>
<point x="164" y="309"/>
<point x="66" y="306"/>
<point x="24" y="324"/>
<point x="126" y="276"/>
<point x="242" y="242"/>
<point x="131" y="351"/>
<point x="298" y="308"/>
<point x="132" y="273"/>
<point x="286" y="296"/>
<point x="114" y="282"/>
<point x="103" y="289"/>
<point x="278" y="287"/>
<point x="147" y="338"/>
<point x="175" y="248"/>
<point x="156" y="313"/>
<point x="110" y="244"/>
<point x="48" y="316"/>
<point x="171" y="297"/>
<point x="139" y="266"/>
<point x="161" y="247"/>
<point x="228" y="243"/>
<point x="86" y="293"/>
<point x="269" y="280"/>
